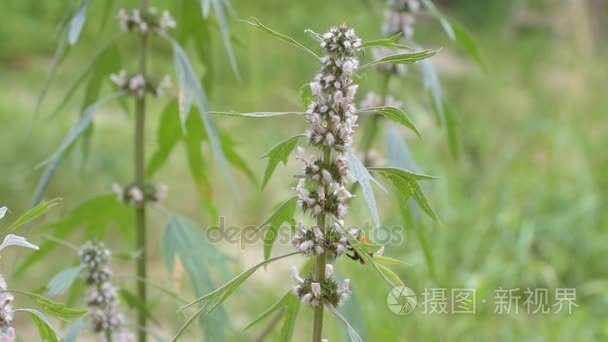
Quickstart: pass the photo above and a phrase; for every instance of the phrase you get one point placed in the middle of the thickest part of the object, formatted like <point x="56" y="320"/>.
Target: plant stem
<point x="140" y="176"/>
<point x="320" y="263"/>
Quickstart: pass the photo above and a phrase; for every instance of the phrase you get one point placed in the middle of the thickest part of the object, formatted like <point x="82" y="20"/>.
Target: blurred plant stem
<point x="320" y="264"/>
<point x="140" y="176"/>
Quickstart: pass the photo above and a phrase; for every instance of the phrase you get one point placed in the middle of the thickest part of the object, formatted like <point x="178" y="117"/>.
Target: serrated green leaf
<point x="388" y="42"/>
<point x="77" y="22"/>
<point x="279" y="153"/>
<point x="404" y="58"/>
<point x="94" y="63"/>
<point x="218" y="9"/>
<point x="234" y="158"/>
<point x="193" y="89"/>
<point x="169" y="133"/>
<point x="275" y="307"/>
<point x="212" y="300"/>
<point x="31" y="214"/>
<point x="394" y="114"/>
<point x="363" y="177"/>
<point x="135" y="303"/>
<point x="406" y="183"/>
<point x="51" y="164"/>
<point x="61" y="282"/>
<point x="257" y="24"/>
<point x="285" y="213"/>
<point x="182" y="238"/>
<point x="457" y="33"/>
<point x="257" y="115"/>
<point x="45" y="329"/>
<point x="55" y="309"/>
<point x="96" y="214"/>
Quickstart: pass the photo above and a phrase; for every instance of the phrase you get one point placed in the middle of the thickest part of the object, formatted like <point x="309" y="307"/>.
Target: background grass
<point x="524" y="205"/>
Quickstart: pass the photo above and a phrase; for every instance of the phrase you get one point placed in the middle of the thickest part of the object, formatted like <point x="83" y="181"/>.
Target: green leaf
<point x="452" y="127"/>
<point x="431" y="83"/>
<point x="60" y="53"/>
<point x="169" y="133"/>
<point x="195" y="134"/>
<point x="388" y="42"/>
<point x="381" y="259"/>
<point x="192" y="88"/>
<point x="228" y="145"/>
<point x="354" y="336"/>
<point x="363" y="177"/>
<point x="212" y="300"/>
<point x="74" y="330"/>
<point x="61" y="282"/>
<point x="15" y="240"/>
<point x="426" y="250"/>
<point x="95" y="215"/>
<point x="257" y="24"/>
<point x="31" y="214"/>
<point x="52" y="163"/>
<point x="404" y="58"/>
<point x="406" y="183"/>
<point x="102" y="58"/>
<point x="55" y="309"/>
<point x="292" y="304"/>
<point x="279" y="153"/>
<point x="306" y="95"/>
<point x="77" y="22"/>
<point x="285" y="213"/>
<point x="275" y="307"/>
<point x="456" y="33"/>
<point x="135" y="303"/>
<point x="397" y="152"/>
<point x="218" y="8"/>
<point x="394" y="114"/>
<point x="45" y="329"/>
<point x="258" y="114"/>
<point x="182" y="239"/>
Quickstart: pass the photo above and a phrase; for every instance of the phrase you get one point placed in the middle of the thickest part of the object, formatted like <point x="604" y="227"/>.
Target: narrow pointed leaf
<point x="285" y="213"/>
<point x="15" y="240"/>
<point x="257" y="24"/>
<point x="279" y="153"/>
<point x="363" y="177"/>
<point x="37" y="211"/>
<point x="62" y="282"/>
<point x="220" y="14"/>
<point x="354" y="336"/>
<point x="45" y="328"/>
<point x="55" y="309"/>
<point x="407" y="184"/>
<point x="403" y="58"/>
<point x="394" y="114"/>
<point x="52" y="163"/>
<point x="77" y="22"/>
<point x="275" y="307"/>
<point x="387" y="42"/>
<point x="258" y="114"/>
<point x="292" y="304"/>
<point x="74" y="330"/>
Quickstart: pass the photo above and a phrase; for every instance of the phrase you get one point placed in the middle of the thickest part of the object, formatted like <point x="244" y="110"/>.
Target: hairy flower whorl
<point x="313" y="294"/>
<point x="102" y="298"/>
<point x="400" y="17"/>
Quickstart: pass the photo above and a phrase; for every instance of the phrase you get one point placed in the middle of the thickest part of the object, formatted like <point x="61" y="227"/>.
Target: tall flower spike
<point x="104" y="310"/>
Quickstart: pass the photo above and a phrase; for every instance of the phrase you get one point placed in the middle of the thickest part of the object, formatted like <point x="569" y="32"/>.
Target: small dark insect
<point x="356" y="256"/>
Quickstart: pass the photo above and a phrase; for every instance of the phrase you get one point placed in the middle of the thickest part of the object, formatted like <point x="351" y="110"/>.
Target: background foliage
<point x="522" y="206"/>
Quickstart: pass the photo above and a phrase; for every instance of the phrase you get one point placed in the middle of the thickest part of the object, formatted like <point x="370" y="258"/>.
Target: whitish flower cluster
<point x="6" y="307"/>
<point x="400" y="17"/>
<point x="8" y="336"/>
<point x="326" y="292"/>
<point x="102" y="299"/>
<point x="137" y="85"/>
<point x="146" y="21"/>
<point x="135" y="196"/>
<point x="313" y="241"/>
<point x="332" y="118"/>
<point x="374" y="100"/>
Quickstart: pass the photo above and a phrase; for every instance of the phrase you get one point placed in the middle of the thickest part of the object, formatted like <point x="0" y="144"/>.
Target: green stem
<point x="140" y="177"/>
<point x="320" y="263"/>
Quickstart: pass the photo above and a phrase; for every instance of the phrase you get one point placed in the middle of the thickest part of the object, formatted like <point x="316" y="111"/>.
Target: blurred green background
<point x="523" y="206"/>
